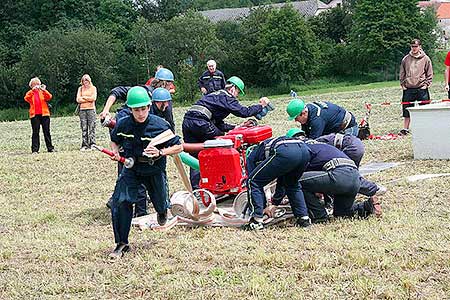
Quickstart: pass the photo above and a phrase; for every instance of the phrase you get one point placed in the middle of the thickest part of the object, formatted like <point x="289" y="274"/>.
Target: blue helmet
<point x="161" y="94"/>
<point x="164" y="74"/>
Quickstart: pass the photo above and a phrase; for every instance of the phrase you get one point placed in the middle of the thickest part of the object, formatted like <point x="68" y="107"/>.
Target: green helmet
<point x="294" y="131"/>
<point x="237" y="82"/>
<point x="295" y="108"/>
<point x="137" y="96"/>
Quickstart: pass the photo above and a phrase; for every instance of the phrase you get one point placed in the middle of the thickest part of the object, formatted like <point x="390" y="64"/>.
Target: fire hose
<point x="127" y="162"/>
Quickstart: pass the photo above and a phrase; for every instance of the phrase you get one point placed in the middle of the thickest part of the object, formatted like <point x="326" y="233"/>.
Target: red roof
<point x="443" y="11"/>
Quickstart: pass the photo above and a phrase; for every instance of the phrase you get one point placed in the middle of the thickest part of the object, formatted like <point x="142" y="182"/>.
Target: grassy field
<point x="55" y="231"/>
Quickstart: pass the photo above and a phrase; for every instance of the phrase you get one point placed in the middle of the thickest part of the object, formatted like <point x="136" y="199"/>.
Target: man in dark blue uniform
<point x="205" y="119"/>
<point x="333" y="173"/>
<point x="353" y="147"/>
<point x="212" y="79"/>
<point x="133" y="133"/>
<point x="321" y="118"/>
<point x="158" y="108"/>
<point x="284" y="159"/>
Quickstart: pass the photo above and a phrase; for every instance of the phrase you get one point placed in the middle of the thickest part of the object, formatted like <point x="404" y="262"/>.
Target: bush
<point x="60" y="59"/>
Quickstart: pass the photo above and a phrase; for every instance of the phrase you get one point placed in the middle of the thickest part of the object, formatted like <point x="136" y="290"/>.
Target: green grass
<point x="55" y="231"/>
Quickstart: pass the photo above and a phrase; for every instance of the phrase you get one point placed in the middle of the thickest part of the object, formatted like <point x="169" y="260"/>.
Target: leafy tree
<point x="334" y="24"/>
<point x="382" y="31"/>
<point x="60" y="58"/>
<point x="287" y="49"/>
<point x="187" y="39"/>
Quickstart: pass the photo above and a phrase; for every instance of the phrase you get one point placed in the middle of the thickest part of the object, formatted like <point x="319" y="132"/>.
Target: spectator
<point x="416" y="76"/>
<point x="212" y="79"/>
<point x="86" y="96"/>
<point x="39" y="111"/>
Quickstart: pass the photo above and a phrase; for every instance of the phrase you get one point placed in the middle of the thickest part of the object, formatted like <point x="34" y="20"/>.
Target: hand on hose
<point x="104" y="114"/>
<point x="153" y="152"/>
<point x="116" y="156"/>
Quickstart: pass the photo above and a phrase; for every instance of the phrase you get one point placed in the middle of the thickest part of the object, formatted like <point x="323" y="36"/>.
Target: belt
<point x="147" y="160"/>
<point x="338" y="162"/>
<point x="271" y="145"/>
<point x="346" y="121"/>
<point x="201" y="109"/>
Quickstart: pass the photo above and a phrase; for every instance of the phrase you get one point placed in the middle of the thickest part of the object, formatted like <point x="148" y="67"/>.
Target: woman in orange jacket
<point x="38" y="97"/>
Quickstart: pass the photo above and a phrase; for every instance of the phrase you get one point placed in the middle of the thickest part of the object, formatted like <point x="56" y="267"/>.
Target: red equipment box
<point x="220" y="170"/>
<point x="251" y="135"/>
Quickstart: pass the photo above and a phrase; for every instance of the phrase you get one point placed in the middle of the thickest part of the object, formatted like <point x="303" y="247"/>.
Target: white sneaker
<point x="84" y="148"/>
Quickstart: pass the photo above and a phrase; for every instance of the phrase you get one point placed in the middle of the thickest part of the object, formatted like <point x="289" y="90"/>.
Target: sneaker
<point x="162" y="218"/>
<point x="84" y="148"/>
<point x="34" y="152"/>
<point x="381" y="190"/>
<point x="253" y="225"/>
<point x="92" y="147"/>
<point x="404" y="131"/>
<point x="119" y="250"/>
<point x="51" y="150"/>
<point x="303" y="221"/>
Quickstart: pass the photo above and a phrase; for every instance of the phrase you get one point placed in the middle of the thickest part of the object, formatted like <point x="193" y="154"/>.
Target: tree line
<point x="120" y="42"/>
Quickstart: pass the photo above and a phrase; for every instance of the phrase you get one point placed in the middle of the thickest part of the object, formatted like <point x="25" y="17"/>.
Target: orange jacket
<point x="45" y="96"/>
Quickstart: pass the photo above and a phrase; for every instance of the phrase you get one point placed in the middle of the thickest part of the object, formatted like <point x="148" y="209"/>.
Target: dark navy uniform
<point x="326" y="117"/>
<point x="284" y="159"/>
<point x="212" y="81"/>
<point x="330" y="172"/>
<point x="134" y="137"/>
<point x="120" y="92"/>
<point x="205" y="120"/>
<point x="353" y="147"/>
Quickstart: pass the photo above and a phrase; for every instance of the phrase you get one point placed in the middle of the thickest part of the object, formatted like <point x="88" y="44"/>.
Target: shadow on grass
<point x="98" y="216"/>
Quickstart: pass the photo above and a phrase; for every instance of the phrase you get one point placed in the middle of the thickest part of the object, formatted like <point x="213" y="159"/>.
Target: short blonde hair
<point x="33" y="81"/>
<point x="86" y="77"/>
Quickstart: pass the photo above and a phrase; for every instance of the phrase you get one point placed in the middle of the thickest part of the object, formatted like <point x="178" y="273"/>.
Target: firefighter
<point x="320" y="118"/>
<point x="205" y="119"/>
<point x="332" y="172"/>
<point x="162" y="76"/>
<point x="285" y="159"/>
<point x="159" y="107"/>
<point x="133" y="133"/>
<point x="353" y="147"/>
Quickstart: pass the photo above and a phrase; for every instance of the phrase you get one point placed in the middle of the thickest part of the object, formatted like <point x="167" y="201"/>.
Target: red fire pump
<point x="223" y="160"/>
